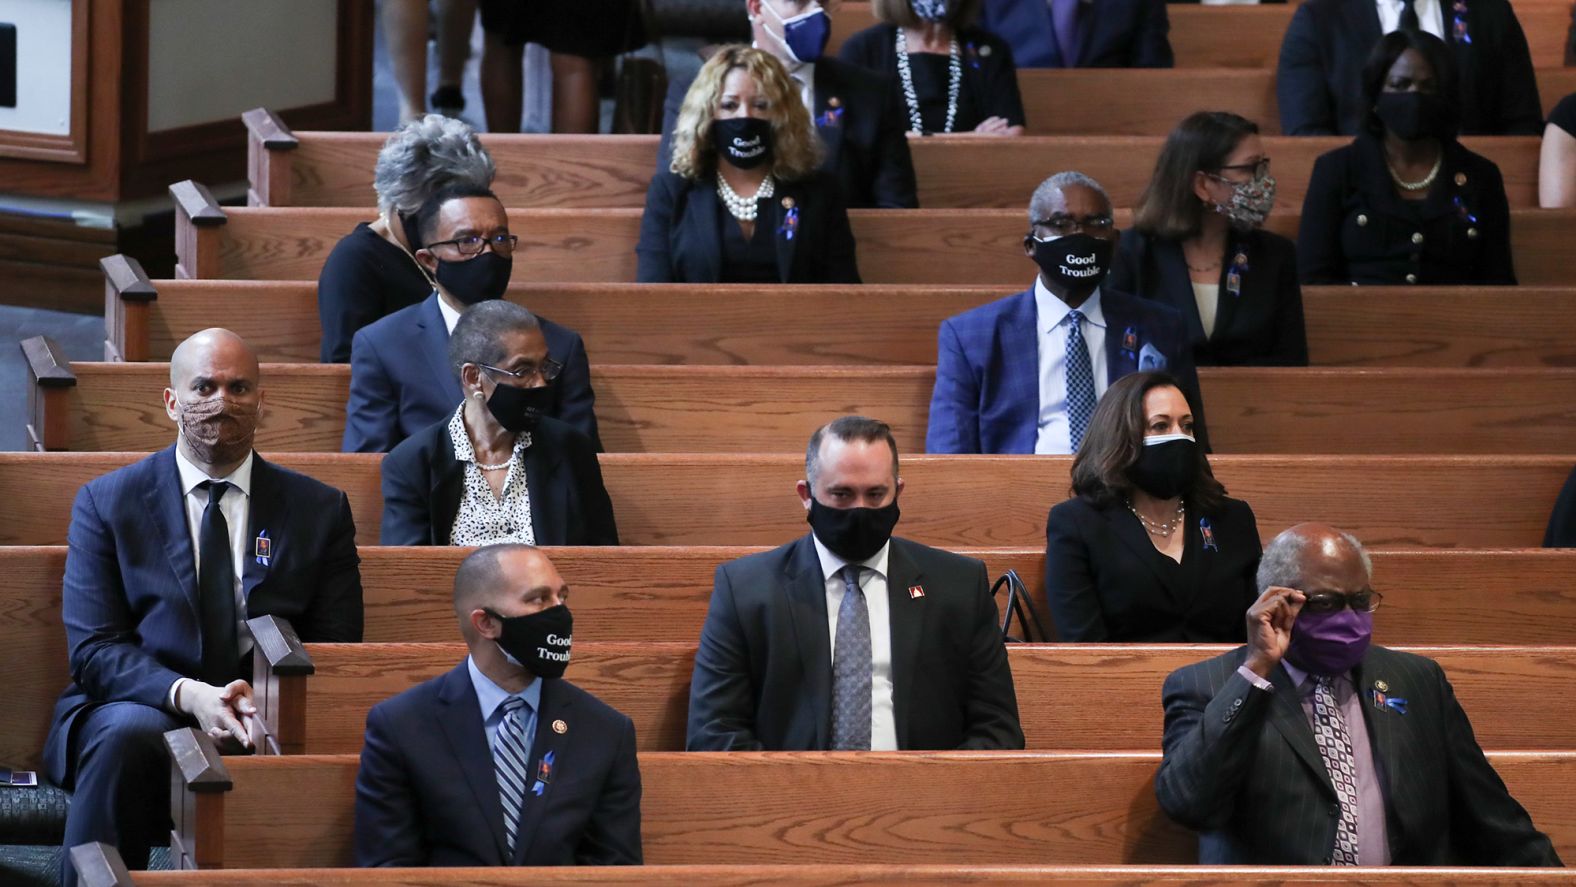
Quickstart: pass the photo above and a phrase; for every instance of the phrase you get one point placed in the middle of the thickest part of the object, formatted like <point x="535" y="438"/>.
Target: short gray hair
<point x="1282" y="563"/>
<point x="478" y="336"/>
<point x="425" y="155"/>
<point x="1039" y="204"/>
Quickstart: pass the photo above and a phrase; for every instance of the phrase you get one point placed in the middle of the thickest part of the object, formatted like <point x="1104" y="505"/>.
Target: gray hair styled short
<point x="1040" y="203"/>
<point x="425" y="155"/>
<point x="1282" y="563"/>
<point x="478" y="336"/>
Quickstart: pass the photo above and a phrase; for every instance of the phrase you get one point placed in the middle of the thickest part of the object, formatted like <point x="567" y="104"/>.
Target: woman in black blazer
<point x="1405" y="203"/>
<point x="1197" y="244"/>
<point x="743" y="201"/>
<point x="949" y="76"/>
<point x="1150" y="549"/>
<point x="499" y="469"/>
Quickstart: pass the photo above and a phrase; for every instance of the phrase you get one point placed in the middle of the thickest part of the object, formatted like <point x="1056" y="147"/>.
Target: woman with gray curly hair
<point x="372" y="271"/>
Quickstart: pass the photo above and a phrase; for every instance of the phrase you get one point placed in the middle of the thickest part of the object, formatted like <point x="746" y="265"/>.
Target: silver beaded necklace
<point x="906" y="76"/>
<point x="743" y="208"/>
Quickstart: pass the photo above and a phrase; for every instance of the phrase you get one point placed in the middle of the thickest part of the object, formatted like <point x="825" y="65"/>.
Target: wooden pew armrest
<point x="197" y="214"/>
<point x="50" y="382"/>
<point x="127" y="294"/>
<point x="99" y="865"/>
<point x="198" y="784"/>
<point x="265" y="128"/>
<point x="195" y="203"/>
<point x="268" y="162"/>
<point x="280" y="667"/>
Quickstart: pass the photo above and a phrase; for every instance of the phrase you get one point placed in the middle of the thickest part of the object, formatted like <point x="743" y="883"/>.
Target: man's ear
<point x="428" y="262"/>
<point x="484" y="625"/>
<point x="803" y="489"/>
<point x="900" y="485"/>
<point x="1028" y="245"/>
<point x="171" y="405"/>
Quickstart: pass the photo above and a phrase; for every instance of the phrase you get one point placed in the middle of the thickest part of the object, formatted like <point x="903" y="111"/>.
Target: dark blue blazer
<point x="1318" y="83"/>
<point x="130" y="596"/>
<point x="427" y="791"/>
<point x="987" y="394"/>
<point x="1116" y="33"/>
<point x="401" y="380"/>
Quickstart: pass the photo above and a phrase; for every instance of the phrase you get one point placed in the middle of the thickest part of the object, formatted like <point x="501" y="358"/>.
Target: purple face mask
<point x="1330" y="643"/>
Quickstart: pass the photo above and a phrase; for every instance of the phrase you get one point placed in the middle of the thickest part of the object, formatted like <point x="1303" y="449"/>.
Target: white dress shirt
<point x="873" y="581"/>
<point x="1053" y="434"/>
<point x="804" y="75"/>
<point x="1429" y="16"/>
<point x="236" y="507"/>
<point x="450" y="316"/>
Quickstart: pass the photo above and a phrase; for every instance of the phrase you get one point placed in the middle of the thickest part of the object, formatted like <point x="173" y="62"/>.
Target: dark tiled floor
<point x="82" y="337"/>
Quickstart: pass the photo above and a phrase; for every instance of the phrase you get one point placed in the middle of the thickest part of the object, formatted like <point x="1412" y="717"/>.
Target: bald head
<point x="507" y="579"/>
<point x="1314" y="557"/>
<point x="210" y="350"/>
<point x="215" y="399"/>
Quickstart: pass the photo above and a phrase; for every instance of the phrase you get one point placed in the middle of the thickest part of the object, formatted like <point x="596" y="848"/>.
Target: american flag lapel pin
<point x="916" y="591"/>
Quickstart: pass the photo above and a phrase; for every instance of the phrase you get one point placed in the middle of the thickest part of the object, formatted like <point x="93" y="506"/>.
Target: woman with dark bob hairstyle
<point x="1150" y="548"/>
<point x="1405" y="203"/>
<point x="1198" y="244"/>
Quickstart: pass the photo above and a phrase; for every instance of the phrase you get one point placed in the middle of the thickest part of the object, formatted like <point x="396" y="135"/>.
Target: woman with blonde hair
<point x="743" y="201"/>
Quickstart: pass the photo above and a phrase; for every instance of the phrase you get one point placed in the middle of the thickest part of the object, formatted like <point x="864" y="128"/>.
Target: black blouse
<point x="752" y="261"/>
<point x="365" y="278"/>
<point x="1564" y="114"/>
<point x="989" y="85"/>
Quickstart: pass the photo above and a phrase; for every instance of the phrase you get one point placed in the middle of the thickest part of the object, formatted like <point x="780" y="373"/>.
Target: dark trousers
<point x="120" y="781"/>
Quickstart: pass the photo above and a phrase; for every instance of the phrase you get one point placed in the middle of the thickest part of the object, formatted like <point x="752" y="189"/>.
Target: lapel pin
<point x="788" y="203"/>
<point x="1461" y="179"/>
<point x="1381" y="686"/>
<point x="265" y="549"/>
<point x="560" y="727"/>
<point x="1207" y="532"/>
<point x="834" y="102"/>
<point x="544" y="768"/>
<point x="985" y="50"/>
<point x="1130" y="340"/>
<point x="915" y="592"/>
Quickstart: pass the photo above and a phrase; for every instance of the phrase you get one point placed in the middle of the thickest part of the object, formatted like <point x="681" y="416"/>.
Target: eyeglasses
<point x="1365" y="601"/>
<point x="1062" y="225"/>
<point x="1259" y="169"/>
<point x="548" y="370"/>
<point x="502" y="244"/>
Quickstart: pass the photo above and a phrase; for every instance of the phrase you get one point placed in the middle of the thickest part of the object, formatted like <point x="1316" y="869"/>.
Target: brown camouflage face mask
<point x="218" y="431"/>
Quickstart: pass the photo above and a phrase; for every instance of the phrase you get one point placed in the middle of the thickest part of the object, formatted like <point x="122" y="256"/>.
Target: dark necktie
<point x="511" y="754"/>
<point x="851" y="668"/>
<point x="1080" y="380"/>
<point x="216" y="590"/>
<point x="1409" y="15"/>
<point x="1064" y="19"/>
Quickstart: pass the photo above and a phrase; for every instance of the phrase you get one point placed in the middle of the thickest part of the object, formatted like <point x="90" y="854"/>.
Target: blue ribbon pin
<point x="790" y="224"/>
<point x="265" y="549"/>
<point x="1208" y="533"/>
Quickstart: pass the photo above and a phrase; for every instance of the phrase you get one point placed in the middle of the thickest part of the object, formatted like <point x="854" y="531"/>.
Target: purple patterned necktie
<point x="1335" y="747"/>
<point x="1064" y="16"/>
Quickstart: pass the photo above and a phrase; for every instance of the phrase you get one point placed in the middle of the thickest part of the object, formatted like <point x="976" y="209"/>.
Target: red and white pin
<point x="916" y="591"/>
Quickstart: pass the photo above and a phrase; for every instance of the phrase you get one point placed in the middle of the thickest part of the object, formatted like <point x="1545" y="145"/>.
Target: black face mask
<point x="519" y="409"/>
<point x="744" y="142"/>
<point x="476" y="280"/>
<point x="853" y="534"/>
<point x="538" y="642"/>
<point x="1414" y="115"/>
<point x="1167" y="466"/>
<point x="1077" y="262"/>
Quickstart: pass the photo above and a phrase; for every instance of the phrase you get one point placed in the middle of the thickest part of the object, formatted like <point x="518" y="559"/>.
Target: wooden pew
<point x="970" y="247"/>
<point x="946" y="808"/>
<point x="1498" y="686"/>
<point x="764" y="326"/>
<point x="950" y="501"/>
<point x="328" y="169"/>
<point x="698" y="409"/>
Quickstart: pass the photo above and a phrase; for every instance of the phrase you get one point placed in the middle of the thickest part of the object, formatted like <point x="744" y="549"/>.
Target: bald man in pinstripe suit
<point x="1310" y="747"/>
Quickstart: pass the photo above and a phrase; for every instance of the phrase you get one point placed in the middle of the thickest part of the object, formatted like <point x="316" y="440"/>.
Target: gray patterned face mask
<point x="1250" y="202"/>
<point x="930" y="10"/>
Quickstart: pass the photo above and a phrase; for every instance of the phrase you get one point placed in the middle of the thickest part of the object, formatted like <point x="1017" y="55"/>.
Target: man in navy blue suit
<point x="500" y="761"/>
<point x="400" y="378"/>
<point x="1081" y="33"/>
<point x="1022" y="374"/>
<point x="166" y="558"/>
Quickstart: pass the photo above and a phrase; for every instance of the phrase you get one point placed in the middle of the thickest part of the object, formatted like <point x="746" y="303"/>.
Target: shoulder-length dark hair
<point x="1203" y="142"/>
<point x="1116" y="437"/>
<point x="960" y="13"/>
<point x="1386" y="51"/>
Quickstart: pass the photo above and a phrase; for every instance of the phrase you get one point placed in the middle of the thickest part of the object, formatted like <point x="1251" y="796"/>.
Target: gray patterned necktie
<point x="1335" y="747"/>
<point x="1080" y="380"/>
<point x="851" y="671"/>
<point x="511" y="757"/>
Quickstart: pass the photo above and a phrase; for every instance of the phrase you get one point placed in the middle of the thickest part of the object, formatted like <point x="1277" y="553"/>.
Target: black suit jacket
<point x="1116" y="33"/>
<point x="1241" y="767"/>
<point x="861" y="122"/>
<point x="1261" y="326"/>
<point x="1105" y="581"/>
<point x="130" y="602"/>
<point x="423" y="484"/>
<point x="989" y="87"/>
<point x="427" y="791"/>
<point x="1355" y="229"/>
<point x="681" y="237"/>
<point x="763" y="673"/>
<point x="1318" y="83"/>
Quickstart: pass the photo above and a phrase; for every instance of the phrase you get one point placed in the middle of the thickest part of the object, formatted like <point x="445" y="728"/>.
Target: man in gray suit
<point x="848" y="638"/>
<point x="1310" y="747"/>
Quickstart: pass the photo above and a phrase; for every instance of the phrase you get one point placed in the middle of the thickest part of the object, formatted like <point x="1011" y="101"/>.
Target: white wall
<point x="213" y="59"/>
<point x="43" y="62"/>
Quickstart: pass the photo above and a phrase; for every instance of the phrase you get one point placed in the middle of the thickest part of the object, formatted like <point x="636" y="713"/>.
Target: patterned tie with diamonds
<point x="851" y="670"/>
<point x="1335" y="747"/>
<point x="1080" y="380"/>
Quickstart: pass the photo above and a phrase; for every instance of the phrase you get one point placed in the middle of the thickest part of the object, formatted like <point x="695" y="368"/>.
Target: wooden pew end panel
<point x="280" y="667"/>
<point x="268" y="145"/>
<point x="198" y="783"/>
<point x="50" y="381"/>
<point x="128" y="297"/>
<point x="198" y="216"/>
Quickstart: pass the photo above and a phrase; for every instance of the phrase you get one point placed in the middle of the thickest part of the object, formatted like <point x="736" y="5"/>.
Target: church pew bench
<point x="764" y="808"/>
<point x="970" y="247"/>
<point x="697" y="409"/>
<point x="950" y="501"/>
<point x="329" y="169"/>
<point x="628" y="323"/>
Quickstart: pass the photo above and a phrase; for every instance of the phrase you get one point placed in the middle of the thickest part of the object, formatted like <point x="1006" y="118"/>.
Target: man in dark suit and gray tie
<point x="849" y="638"/>
<point x="1308" y="746"/>
<point x="165" y="559"/>
<point x="500" y="761"/>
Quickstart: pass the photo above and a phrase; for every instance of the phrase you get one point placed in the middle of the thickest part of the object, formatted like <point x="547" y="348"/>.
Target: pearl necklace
<point x="906" y="76"/>
<point x="743" y="208"/>
<point x="1418" y="185"/>
<point x="1164" y="530"/>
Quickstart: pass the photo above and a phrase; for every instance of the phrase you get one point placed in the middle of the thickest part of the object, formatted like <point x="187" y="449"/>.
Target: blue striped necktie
<point x="1080" y="380"/>
<point x="511" y="755"/>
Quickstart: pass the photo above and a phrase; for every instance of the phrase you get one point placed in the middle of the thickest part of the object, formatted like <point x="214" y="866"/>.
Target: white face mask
<point x="1153" y="440"/>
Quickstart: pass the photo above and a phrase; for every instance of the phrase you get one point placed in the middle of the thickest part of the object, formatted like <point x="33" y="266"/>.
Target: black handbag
<point x="1020" y="606"/>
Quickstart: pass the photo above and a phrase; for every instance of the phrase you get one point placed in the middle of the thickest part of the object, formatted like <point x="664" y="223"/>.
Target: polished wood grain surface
<point x="951" y="501"/>
<point x="968" y="247"/>
<point x="33" y="653"/>
<point x="626" y="323"/>
<point x="702" y="409"/>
